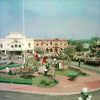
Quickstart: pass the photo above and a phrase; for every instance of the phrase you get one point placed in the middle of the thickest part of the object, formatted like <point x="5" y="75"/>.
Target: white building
<point x="16" y="43"/>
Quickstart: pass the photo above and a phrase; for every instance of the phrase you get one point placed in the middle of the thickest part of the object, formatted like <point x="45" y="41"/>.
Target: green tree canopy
<point x="32" y="65"/>
<point x="39" y="51"/>
<point x="69" y="50"/>
<point x="93" y="45"/>
<point x="79" y="46"/>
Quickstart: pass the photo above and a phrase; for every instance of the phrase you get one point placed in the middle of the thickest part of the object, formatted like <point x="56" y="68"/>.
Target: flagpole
<point x="23" y="20"/>
<point x="24" y="34"/>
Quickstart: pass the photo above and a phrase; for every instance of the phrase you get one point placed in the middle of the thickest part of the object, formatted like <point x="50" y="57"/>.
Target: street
<point x="6" y="95"/>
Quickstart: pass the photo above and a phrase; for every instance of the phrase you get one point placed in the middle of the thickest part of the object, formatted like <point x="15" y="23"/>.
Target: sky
<point x="68" y="19"/>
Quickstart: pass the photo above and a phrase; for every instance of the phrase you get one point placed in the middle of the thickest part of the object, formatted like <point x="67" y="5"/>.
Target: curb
<point x="46" y="93"/>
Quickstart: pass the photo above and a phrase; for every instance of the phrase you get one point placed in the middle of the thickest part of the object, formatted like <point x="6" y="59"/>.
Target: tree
<point x="98" y="52"/>
<point x="31" y="66"/>
<point x="79" y="46"/>
<point x="65" y="55"/>
<point x="69" y="51"/>
<point x="93" y="44"/>
<point x="39" y="51"/>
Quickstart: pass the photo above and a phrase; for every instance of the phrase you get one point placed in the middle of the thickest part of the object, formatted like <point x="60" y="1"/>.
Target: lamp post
<point x="84" y="94"/>
<point x="54" y="62"/>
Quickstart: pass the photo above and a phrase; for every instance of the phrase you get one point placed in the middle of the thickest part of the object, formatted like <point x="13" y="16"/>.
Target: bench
<point x="75" y="69"/>
<point x="73" y="76"/>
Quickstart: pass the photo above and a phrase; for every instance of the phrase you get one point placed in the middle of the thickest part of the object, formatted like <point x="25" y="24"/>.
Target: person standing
<point x="79" y="62"/>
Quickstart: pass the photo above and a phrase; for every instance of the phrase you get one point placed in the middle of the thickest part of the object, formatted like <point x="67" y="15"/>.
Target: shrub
<point x="47" y="83"/>
<point x="56" y="81"/>
<point x="27" y="76"/>
<point x="15" y="80"/>
<point x="9" y="65"/>
<point x="42" y="82"/>
<point x="83" y="74"/>
<point x="5" y="79"/>
<point x="22" y="81"/>
<point x="11" y="73"/>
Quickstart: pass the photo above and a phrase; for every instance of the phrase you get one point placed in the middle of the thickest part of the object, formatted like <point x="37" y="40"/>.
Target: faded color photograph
<point x="49" y="49"/>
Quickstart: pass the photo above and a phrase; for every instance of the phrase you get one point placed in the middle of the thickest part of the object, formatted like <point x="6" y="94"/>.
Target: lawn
<point x="67" y="72"/>
<point x="41" y="81"/>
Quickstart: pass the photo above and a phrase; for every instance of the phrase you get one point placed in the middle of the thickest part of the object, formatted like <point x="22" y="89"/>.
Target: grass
<point x="43" y="81"/>
<point x="40" y="81"/>
<point x="67" y="72"/>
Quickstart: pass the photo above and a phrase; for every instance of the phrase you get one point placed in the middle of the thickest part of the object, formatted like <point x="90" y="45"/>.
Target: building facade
<point x="15" y="43"/>
<point x="50" y="46"/>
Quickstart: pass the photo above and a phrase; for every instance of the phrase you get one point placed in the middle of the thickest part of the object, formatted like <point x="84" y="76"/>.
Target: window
<point x="56" y="50"/>
<point x="50" y="43"/>
<point x="15" y="45"/>
<point x="1" y="45"/>
<point x="50" y="50"/>
<point x="19" y="46"/>
<point x="41" y="43"/>
<point x="29" y="45"/>
<point x="47" y="50"/>
<point x="56" y="44"/>
<point x="12" y="46"/>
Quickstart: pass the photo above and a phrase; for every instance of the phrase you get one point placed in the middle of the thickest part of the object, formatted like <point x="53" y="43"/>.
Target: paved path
<point x="65" y="86"/>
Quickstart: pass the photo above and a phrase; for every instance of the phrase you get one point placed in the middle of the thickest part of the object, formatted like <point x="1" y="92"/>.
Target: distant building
<point x="98" y="44"/>
<point x="50" y="46"/>
<point x="86" y="46"/>
<point x="15" y="43"/>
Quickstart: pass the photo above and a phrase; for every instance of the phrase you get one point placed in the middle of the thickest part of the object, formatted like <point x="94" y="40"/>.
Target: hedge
<point x="15" y="80"/>
<point x="5" y="79"/>
<point x="9" y="65"/>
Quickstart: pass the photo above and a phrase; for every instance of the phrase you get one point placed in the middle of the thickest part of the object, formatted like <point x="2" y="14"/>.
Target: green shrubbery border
<point x="15" y="80"/>
<point x="9" y="66"/>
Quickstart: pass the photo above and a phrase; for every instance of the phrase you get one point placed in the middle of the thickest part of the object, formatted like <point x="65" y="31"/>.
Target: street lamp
<point x="84" y="94"/>
<point x="54" y="62"/>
